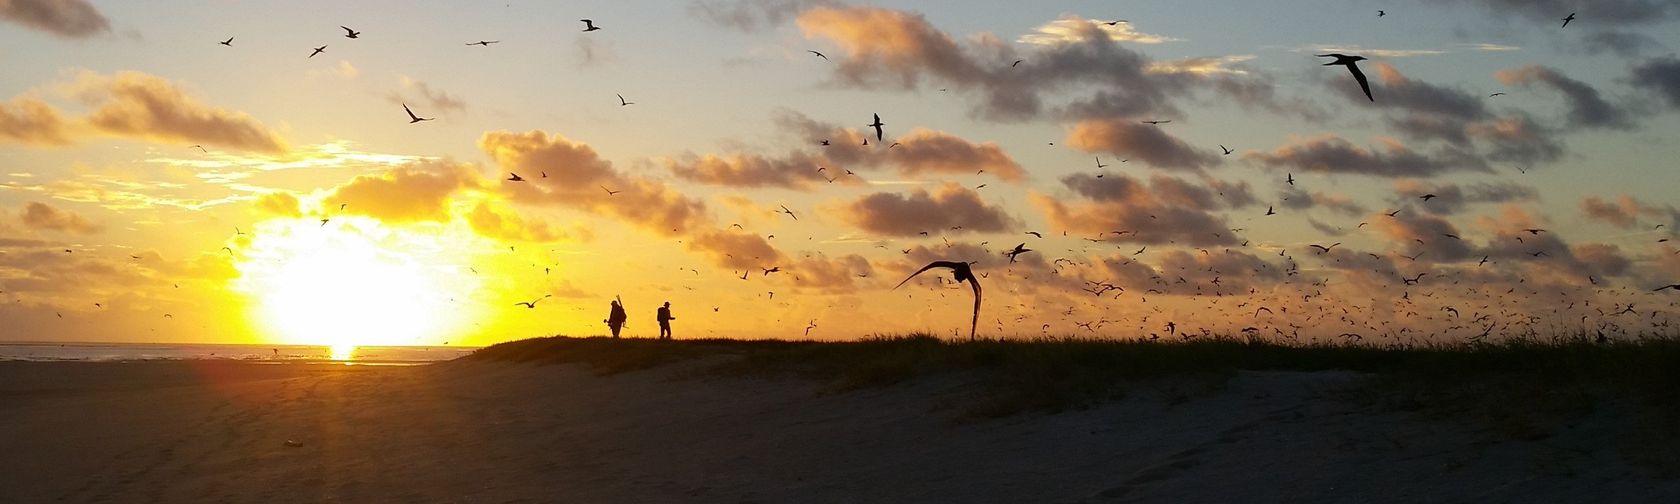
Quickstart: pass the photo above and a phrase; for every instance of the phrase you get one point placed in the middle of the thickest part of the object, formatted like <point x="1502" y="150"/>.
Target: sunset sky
<point x="134" y="147"/>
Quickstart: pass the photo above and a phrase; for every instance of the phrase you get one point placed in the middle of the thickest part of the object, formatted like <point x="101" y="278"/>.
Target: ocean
<point x="118" y="352"/>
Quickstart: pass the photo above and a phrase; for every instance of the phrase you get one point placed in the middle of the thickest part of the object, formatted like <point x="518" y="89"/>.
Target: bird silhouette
<point x="1350" y="63"/>
<point x="1323" y="249"/>
<point x="819" y="55"/>
<point x="789" y="213"/>
<point x="589" y="25"/>
<point x="1428" y="197"/>
<point x="1227" y="150"/>
<point x="623" y="103"/>
<point x="318" y="50"/>
<point x="349" y="33"/>
<point x="1671" y="286"/>
<point x="877" y="125"/>
<point x="485" y="43"/>
<point x="1156" y="122"/>
<point x="414" y="118"/>
<point x="610" y="192"/>
<point x="228" y="42"/>
<point x="962" y="273"/>
<point x="533" y="303"/>
<point x="1567" y="19"/>
<point x="1018" y="250"/>
<point x="514" y="177"/>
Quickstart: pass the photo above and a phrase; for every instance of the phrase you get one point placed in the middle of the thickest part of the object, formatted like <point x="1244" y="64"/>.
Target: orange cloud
<point x="39" y="216"/>
<point x="507" y="226"/>
<point x="281" y="204"/>
<point x="950" y="207"/>
<point x="559" y="172"/>
<point x="134" y="104"/>
<point x="409" y="193"/>
<point x="1144" y="142"/>
<point x="31" y="121"/>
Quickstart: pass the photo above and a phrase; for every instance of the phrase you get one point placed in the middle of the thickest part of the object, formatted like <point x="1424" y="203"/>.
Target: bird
<point x="200" y="148"/>
<point x="485" y="43"/>
<point x="788" y="212"/>
<point x="1100" y="164"/>
<point x="533" y="303"/>
<point x="1381" y="13"/>
<point x="228" y="42"/>
<point x="1349" y="61"/>
<point x="414" y="118"/>
<point x="1567" y="19"/>
<point x="1269" y="210"/>
<point x="772" y="269"/>
<point x="1290" y="179"/>
<point x="1672" y="286"/>
<point x="1323" y="249"/>
<point x="1018" y="250"/>
<point x="877" y="125"/>
<point x="819" y="55"/>
<point x="1428" y="197"/>
<point x="1117" y="21"/>
<point x="514" y="177"/>
<point x="1496" y="94"/>
<point x="1036" y="233"/>
<point x="623" y="103"/>
<point x="1227" y="151"/>
<point x="610" y="192"/>
<point x="1534" y="231"/>
<point x="962" y="273"/>
<point x="349" y="33"/>
<point x="1156" y="121"/>
<point x="589" y="25"/>
<point x="318" y="50"/>
<point x="1017" y="62"/>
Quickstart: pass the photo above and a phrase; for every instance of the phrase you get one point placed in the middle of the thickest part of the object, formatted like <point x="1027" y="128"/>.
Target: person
<point x="616" y="317"/>
<point x="665" y="319"/>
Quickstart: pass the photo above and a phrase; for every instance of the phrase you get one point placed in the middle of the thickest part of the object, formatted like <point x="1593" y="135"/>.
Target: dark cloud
<point x="64" y="18"/>
<point x="1334" y="154"/>
<point x="1166" y="210"/>
<point x="1143" y="142"/>
<point x="1586" y="107"/>
<point x="944" y="208"/>
<point x="889" y="49"/>
<point x="1453" y="198"/>
<point x="1295" y="198"/>
<point x="1626" y="211"/>
<point x="1400" y="92"/>
<point x="1425" y="234"/>
<point x="1660" y="76"/>
<point x="1596" y="12"/>
<point x="1621" y="43"/>
<point x="41" y="217"/>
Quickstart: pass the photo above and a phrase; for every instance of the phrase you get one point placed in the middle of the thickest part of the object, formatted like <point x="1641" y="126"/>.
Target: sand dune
<point x="491" y="432"/>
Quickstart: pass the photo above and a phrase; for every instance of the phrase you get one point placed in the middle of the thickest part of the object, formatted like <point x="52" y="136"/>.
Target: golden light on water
<point x="353" y="282"/>
<point x="341" y="352"/>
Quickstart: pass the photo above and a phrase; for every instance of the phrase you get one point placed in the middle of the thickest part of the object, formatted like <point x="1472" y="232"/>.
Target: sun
<point x="354" y="283"/>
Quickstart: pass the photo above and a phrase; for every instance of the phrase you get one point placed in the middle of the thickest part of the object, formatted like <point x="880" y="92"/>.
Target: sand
<point x="497" y="433"/>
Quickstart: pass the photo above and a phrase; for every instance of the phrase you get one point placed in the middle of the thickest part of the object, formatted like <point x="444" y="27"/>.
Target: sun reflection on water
<point x="341" y="352"/>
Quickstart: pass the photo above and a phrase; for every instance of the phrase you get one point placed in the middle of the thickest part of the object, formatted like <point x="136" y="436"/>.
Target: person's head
<point x="667" y="304"/>
<point x="615" y="302"/>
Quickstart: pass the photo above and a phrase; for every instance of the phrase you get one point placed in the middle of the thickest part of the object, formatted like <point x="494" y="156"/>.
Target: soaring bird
<point x="1269" y="210"/>
<point x="1036" y="233"/>
<point x="877" y="125"/>
<point x="1349" y="61"/>
<point x="819" y="55"/>
<point x="485" y="43"/>
<point x="414" y="118"/>
<point x="1018" y="250"/>
<point x="1323" y="249"/>
<point x="533" y="303"/>
<point x="318" y="50"/>
<point x="962" y="273"/>
<point x="589" y="25"/>
<point x="1290" y="179"/>
<point x="788" y="212"/>
<point x="1674" y="286"/>
<point x="1428" y="197"/>
<point x="1156" y="122"/>
<point x="228" y="42"/>
<point x="1567" y="19"/>
<point x="1227" y="150"/>
<point x="514" y="177"/>
<point x="349" y="33"/>
<point x="610" y="192"/>
<point x="623" y="103"/>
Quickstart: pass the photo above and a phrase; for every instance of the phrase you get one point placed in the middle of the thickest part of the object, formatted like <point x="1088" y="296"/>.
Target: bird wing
<point x="931" y="265"/>
<point x="410" y="112"/>
<point x="974" y="321"/>
<point x="1364" y="85"/>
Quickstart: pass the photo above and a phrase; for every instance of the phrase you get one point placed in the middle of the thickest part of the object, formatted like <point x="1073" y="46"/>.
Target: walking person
<point x="665" y="319"/>
<point x="616" y="317"/>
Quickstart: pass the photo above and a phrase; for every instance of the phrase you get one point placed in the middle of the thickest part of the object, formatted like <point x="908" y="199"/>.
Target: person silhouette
<point x="665" y="319"/>
<point x="616" y="317"/>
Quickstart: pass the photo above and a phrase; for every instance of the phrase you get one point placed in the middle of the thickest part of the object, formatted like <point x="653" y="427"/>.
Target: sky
<point x="1178" y="169"/>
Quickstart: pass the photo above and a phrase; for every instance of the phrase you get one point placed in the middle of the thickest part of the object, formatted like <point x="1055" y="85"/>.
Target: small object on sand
<point x="294" y="444"/>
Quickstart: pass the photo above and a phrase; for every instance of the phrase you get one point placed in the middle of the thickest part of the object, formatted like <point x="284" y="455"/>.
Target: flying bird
<point x="962" y="273"/>
<point x="1036" y="233"/>
<point x="1567" y="19"/>
<point x="1227" y="150"/>
<point x="1496" y="94"/>
<point x="1381" y="13"/>
<point x="1156" y="121"/>
<point x="1673" y="286"/>
<point x="1349" y="61"/>
<point x="200" y="148"/>
<point x="1269" y="210"/>
<point x="1117" y="21"/>
<point x="877" y="125"/>
<point x="485" y="43"/>
<point x="1323" y="249"/>
<point x="788" y="212"/>
<point x="623" y="103"/>
<point x="533" y="303"/>
<point x="514" y="177"/>
<point x="414" y="118"/>
<point x="1016" y="63"/>
<point x="610" y="192"/>
<point x="1428" y="197"/>
<point x="349" y="33"/>
<point x="318" y="50"/>
<point x="1018" y="250"/>
<point x="819" y="55"/>
<point x="228" y="42"/>
<point x="589" y="25"/>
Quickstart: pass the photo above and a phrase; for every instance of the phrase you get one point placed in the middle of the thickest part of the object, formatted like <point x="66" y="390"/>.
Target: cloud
<point x="559" y="172"/>
<point x="1660" y="76"/>
<point x="751" y="15"/>
<point x="1165" y="210"/>
<point x="279" y="204"/>
<point x="1148" y="143"/>
<point x="1586" y="107"/>
<point x="1333" y="154"/>
<point x="890" y="49"/>
<point x="411" y="193"/>
<point x="508" y="226"/>
<point x="1625" y="44"/>
<point x="1205" y="65"/>
<point x="1625" y="211"/>
<point x="1071" y="29"/>
<point x="1609" y="12"/>
<point x="1423" y="234"/>
<point x="32" y="122"/>
<point x="64" y="18"/>
<point x="1375" y="53"/>
<point x="41" y="217"/>
<point x="1297" y="199"/>
<point x="919" y="152"/>
<point x="735" y="249"/>
<point x="133" y="104"/>
<point x="430" y="98"/>
<point x="1452" y="198"/>
<point x="946" y="207"/>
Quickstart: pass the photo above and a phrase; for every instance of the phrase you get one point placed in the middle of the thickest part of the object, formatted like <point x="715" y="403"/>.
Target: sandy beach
<point x="504" y="432"/>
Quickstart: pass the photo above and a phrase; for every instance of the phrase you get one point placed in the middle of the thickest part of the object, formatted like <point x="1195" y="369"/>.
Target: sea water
<point x="116" y="352"/>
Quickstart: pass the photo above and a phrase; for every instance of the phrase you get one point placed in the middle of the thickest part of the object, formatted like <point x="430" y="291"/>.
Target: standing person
<point x="665" y="319"/>
<point x="616" y="317"/>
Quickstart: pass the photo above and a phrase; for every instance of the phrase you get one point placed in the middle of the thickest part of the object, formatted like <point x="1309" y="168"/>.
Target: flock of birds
<point x="1202" y="284"/>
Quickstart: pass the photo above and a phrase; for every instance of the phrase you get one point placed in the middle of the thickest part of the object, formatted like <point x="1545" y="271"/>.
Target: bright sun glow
<point x="352" y="283"/>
